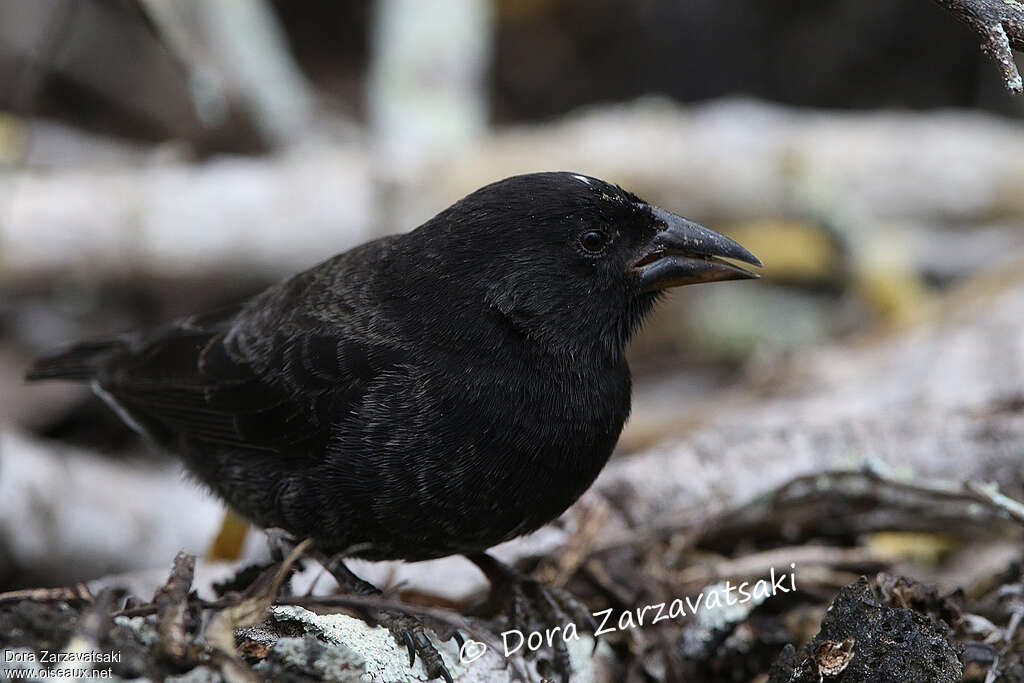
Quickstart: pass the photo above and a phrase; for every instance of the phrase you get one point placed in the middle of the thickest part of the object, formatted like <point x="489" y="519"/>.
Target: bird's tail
<point x="82" y="361"/>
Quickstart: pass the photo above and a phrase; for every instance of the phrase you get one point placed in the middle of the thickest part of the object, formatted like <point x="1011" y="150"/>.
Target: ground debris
<point x="862" y="639"/>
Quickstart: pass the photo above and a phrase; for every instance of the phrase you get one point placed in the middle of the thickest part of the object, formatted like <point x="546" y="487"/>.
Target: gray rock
<point x="200" y="674"/>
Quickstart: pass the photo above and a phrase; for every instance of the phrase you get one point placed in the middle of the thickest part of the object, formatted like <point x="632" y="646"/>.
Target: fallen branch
<point x="171" y="602"/>
<point x="1000" y="25"/>
<point x="77" y="593"/>
<point x="989" y="494"/>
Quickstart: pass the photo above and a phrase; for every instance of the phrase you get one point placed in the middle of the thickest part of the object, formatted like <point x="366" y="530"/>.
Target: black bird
<point x="424" y="394"/>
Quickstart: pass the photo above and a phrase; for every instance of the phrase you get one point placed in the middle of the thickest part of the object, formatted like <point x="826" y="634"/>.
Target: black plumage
<point x="423" y="394"/>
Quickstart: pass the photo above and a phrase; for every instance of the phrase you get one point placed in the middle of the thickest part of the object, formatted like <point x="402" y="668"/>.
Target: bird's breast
<point x="459" y="457"/>
<point x="542" y="439"/>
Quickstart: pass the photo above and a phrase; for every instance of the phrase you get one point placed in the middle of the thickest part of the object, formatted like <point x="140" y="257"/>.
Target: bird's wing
<point x="278" y="391"/>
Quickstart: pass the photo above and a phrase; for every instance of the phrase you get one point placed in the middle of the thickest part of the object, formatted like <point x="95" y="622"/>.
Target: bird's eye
<point x="593" y="241"/>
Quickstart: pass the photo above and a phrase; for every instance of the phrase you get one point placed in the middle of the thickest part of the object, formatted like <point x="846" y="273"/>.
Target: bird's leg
<point x="407" y="630"/>
<point x="280" y="543"/>
<point x="529" y="606"/>
<point x="348" y="581"/>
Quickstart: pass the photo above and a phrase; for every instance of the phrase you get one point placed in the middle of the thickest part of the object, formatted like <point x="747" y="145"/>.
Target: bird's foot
<point x="408" y="631"/>
<point x="530" y="606"/>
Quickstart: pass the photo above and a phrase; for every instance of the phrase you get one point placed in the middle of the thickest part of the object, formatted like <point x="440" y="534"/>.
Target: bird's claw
<point x="409" y="631"/>
<point x="459" y="640"/>
<point x="531" y="606"/>
<point x="411" y="646"/>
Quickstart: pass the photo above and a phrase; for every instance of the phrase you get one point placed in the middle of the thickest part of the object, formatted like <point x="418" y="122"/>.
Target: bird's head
<point x="567" y="259"/>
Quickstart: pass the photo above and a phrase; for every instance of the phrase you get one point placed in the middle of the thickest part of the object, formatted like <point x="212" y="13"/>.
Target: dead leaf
<point x="832" y="657"/>
<point x="252" y="609"/>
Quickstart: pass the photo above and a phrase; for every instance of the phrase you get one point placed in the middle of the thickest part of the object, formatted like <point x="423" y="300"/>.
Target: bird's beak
<point x="685" y="253"/>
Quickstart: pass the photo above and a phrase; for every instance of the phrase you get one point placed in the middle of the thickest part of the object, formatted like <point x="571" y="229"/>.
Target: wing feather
<point x="200" y="385"/>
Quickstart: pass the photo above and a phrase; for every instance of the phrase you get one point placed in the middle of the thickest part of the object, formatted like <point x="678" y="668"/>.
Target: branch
<point x="73" y="594"/>
<point x="1000" y="24"/>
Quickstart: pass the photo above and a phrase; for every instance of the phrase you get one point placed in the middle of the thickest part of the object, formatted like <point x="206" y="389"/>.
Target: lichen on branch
<point x="1000" y="25"/>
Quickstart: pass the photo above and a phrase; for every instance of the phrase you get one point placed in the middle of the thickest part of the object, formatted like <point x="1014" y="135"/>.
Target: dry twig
<point x="1000" y="25"/>
<point x="251" y="606"/>
<point x="77" y="593"/>
<point x="171" y="601"/>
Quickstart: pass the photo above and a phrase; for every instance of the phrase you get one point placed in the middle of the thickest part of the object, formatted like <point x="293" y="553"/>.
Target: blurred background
<point x="163" y="157"/>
